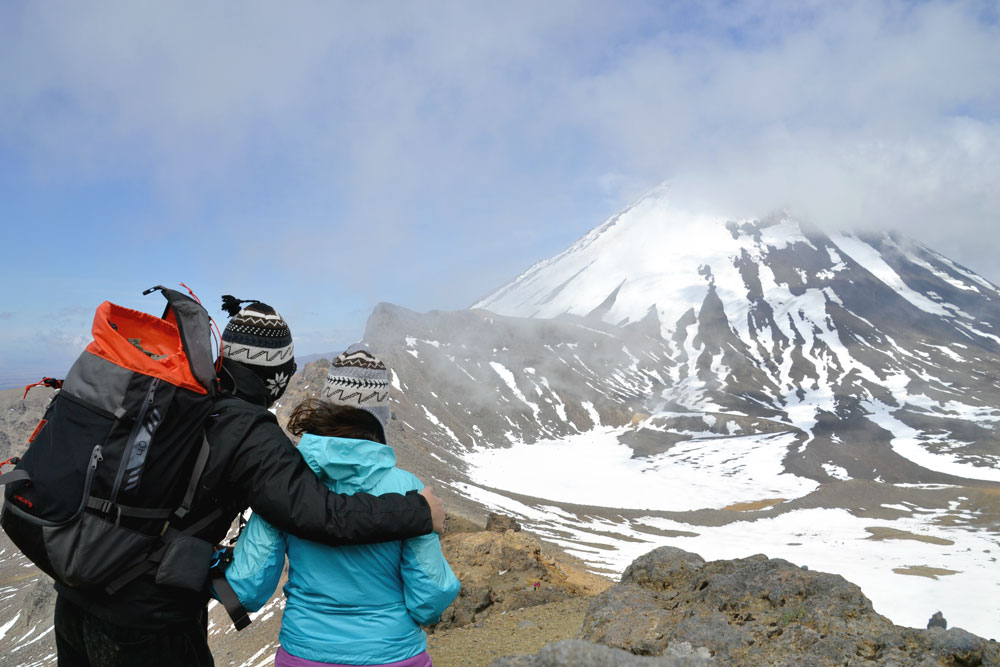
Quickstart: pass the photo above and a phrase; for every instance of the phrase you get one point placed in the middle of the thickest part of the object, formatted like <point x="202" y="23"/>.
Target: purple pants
<point x="285" y="659"/>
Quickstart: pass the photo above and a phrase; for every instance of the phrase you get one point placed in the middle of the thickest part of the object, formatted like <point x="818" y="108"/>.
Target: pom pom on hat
<point x="358" y="379"/>
<point x="257" y="337"/>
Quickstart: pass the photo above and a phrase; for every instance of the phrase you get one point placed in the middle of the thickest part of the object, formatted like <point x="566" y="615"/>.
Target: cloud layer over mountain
<point x="464" y="141"/>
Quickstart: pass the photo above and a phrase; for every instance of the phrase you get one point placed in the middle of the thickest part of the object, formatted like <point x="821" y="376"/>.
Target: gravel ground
<point x="519" y="632"/>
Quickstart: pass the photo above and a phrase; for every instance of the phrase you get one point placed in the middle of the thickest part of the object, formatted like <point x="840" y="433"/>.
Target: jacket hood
<point x="346" y="463"/>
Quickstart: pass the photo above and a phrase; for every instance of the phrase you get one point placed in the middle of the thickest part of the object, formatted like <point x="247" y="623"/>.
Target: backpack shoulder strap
<point x="227" y="596"/>
<point x="199" y="467"/>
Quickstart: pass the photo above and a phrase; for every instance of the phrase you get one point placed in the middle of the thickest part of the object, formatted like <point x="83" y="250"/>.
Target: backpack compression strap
<point x="14" y="475"/>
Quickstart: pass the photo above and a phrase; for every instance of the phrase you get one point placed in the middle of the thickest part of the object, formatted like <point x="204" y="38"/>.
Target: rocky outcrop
<point x="499" y="523"/>
<point x="677" y="609"/>
<point x="762" y="611"/>
<point x="508" y="570"/>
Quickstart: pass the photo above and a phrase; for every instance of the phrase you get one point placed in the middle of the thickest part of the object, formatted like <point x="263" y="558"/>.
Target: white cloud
<point x="864" y="114"/>
<point x="442" y="127"/>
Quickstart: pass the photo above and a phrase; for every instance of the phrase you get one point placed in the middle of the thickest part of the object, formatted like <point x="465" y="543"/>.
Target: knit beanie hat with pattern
<point x="360" y="380"/>
<point x="258" y="338"/>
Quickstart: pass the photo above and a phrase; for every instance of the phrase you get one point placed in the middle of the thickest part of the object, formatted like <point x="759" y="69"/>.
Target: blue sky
<point x="325" y="156"/>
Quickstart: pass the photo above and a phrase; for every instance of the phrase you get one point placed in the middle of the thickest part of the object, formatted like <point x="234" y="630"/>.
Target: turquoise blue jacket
<point x="360" y="605"/>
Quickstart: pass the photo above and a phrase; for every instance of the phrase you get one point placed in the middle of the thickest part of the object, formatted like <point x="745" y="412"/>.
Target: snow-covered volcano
<point x="728" y="387"/>
<point x="837" y="334"/>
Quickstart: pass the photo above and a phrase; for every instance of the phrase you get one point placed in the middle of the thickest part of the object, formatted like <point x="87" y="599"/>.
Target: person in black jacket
<point x="251" y="464"/>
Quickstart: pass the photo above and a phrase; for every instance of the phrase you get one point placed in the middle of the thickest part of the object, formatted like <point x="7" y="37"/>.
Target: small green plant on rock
<point x="790" y="615"/>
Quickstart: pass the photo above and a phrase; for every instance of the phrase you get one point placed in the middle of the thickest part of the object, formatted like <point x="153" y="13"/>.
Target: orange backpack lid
<point x="142" y="343"/>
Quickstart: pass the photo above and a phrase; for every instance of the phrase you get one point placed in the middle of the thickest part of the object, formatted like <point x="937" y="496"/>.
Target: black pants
<point x="84" y="640"/>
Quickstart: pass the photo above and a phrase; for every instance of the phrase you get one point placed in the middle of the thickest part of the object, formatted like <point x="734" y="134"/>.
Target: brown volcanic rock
<point x="763" y="611"/>
<point x="498" y="572"/>
<point x="499" y="523"/>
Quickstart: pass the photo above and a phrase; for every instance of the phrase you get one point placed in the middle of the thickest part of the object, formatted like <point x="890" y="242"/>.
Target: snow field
<point x="595" y="469"/>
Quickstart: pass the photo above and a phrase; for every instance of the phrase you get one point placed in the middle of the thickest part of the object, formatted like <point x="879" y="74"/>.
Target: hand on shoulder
<point x="437" y="508"/>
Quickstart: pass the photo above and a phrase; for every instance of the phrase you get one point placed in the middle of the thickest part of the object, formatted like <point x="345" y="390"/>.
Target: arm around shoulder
<point x="285" y="491"/>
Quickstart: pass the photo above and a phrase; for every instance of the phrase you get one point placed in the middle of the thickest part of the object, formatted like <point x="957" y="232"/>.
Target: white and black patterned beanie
<point x="360" y="380"/>
<point x="258" y="338"/>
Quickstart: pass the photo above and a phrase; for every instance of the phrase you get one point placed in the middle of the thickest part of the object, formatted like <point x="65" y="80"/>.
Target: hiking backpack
<point x="119" y="452"/>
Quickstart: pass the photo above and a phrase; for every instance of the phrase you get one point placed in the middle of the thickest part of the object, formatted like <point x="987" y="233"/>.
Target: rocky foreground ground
<point x="670" y="608"/>
<point x="673" y="608"/>
<point x="525" y="604"/>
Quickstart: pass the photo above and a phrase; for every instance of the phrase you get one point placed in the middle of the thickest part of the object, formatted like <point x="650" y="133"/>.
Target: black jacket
<point x="253" y="464"/>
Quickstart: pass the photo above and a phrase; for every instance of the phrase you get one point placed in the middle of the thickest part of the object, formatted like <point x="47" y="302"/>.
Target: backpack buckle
<point x="100" y="505"/>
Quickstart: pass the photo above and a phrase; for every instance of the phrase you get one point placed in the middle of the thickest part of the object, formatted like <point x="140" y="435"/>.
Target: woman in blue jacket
<point x="351" y="605"/>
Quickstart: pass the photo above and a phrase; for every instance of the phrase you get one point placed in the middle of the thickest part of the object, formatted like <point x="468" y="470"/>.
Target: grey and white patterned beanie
<point x="258" y="337"/>
<point x="360" y="380"/>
